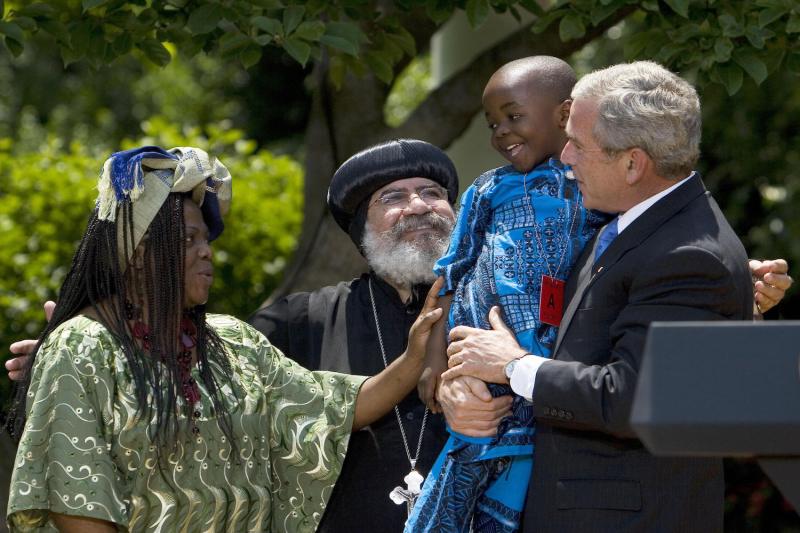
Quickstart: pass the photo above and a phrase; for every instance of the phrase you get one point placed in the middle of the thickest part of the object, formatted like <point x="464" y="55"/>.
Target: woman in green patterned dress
<point x="142" y="413"/>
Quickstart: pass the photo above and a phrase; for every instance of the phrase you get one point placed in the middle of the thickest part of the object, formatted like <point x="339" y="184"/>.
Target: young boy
<point x="520" y="230"/>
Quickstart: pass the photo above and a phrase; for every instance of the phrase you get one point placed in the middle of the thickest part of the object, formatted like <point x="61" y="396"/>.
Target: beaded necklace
<point x="187" y="339"/>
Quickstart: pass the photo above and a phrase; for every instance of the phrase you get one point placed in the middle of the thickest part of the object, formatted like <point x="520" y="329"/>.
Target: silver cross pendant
<point x="410" y="493"/>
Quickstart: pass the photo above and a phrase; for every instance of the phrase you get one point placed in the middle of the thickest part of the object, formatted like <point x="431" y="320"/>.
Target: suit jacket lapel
<point x="584" y="270"/>
<point x="631" y="237"/>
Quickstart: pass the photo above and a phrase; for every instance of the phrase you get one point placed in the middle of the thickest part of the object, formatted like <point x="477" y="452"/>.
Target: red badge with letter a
<point x="551" y="301"/>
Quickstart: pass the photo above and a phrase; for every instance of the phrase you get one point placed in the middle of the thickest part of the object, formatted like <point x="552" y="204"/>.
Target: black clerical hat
<point x="372" y="168"/>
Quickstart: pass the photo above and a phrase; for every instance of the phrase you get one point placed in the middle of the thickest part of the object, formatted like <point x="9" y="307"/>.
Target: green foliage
<point x="751" y="157"/>
<point x="101" y="31"/>
<point x="357" y="35"/>
<point x="44" y="204"/>
<point x="409" y="90"/>
<point x="721" y="41"/>
<point x="100" y="107"/>
<point x="47" y="195"/>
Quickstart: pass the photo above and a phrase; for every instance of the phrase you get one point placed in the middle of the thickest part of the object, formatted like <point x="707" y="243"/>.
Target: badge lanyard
<point x="551" y="297"/>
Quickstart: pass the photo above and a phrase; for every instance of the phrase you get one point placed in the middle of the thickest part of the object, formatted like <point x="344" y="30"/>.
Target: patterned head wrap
<point x="144" y="177"/>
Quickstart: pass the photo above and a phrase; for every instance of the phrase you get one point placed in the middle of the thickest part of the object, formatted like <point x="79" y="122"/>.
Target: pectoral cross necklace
<point x="413" y="479"/>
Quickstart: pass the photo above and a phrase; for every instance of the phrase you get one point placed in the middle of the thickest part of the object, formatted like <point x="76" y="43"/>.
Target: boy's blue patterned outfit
<point x="503" y="243"/>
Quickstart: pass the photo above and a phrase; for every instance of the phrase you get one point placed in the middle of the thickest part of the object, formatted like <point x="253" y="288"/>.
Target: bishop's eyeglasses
<point x="430" y="194"/>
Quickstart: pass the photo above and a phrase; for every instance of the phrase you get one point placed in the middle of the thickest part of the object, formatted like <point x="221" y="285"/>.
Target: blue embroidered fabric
<point x="502" y="245"/>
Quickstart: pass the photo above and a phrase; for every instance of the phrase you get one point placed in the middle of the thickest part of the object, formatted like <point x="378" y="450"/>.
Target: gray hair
<point x="644" y="105"/>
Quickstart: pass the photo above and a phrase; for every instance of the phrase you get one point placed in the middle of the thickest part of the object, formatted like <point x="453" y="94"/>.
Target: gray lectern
<point x="724" y="389"/>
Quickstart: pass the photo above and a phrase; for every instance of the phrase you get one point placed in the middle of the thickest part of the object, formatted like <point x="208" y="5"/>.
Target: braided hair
<point x="156" y="280"/>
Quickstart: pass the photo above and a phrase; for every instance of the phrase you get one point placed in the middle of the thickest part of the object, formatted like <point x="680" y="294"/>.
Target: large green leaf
<point x="722" y="50"/>
<point x="758" y="36"/>
<point x="730" y="26"/>
<point x="681" y="7"/>
<point x="55" y="28"/>
<point x="602" y="11"/>
<point x="571" y="27"/>
<point x="751" y="64"/>
<point x="346" y="30"/>
<point x="543" y="22"/>
<point x="298" y="49"/>
<point x="80" y="36"/>
<point x="204" y="19"/>
<point x="155" y="51"/>
<point x="12" y="31"/>
<point x="339" y="43"/>
<point x="122" y="44"/>
<point x="731" y="77"/>
<point x="26" y="23"/>
<point x="250" y="56"/>
<point x="379" y="64"/>
<point x="533" y="7"/>
<point x="233" y="41"/>
<point x="310" y="30"/>
<point x="477" y="11"/>
<point x="437" y="12"/>
<point x="344" y="36"/>
<point x="402" y="38"/>
<point x="269" y="25"/>
<point x="636" y="43"/>
<point x="667" y="52"/>
<point x="292" y="16"/>
<point x="770" y="15"/>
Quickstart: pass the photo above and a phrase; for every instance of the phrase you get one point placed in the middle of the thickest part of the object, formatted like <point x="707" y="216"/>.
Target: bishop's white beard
<point x="407" y="263"/>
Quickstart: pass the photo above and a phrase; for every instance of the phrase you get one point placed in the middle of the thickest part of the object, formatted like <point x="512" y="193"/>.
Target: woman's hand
<point x="380" y="393"/>
<point x="421" y="328"/>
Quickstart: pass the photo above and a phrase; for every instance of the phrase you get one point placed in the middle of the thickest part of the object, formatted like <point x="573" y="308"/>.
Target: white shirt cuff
<point x="524" y="375"/>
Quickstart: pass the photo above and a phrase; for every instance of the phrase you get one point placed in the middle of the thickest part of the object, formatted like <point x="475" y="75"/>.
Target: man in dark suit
<point x="634" y="135"/>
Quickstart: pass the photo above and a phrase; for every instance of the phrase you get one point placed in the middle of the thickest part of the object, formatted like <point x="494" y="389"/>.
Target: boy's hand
<point x="435" y="354"/>
<point x="426" y="389"/>
<point x="22" y="349"/>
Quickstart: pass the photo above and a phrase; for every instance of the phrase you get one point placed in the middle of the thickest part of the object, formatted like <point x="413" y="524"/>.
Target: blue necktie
<point x="608" y="234"/>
